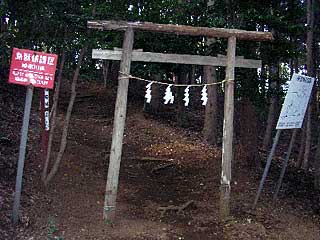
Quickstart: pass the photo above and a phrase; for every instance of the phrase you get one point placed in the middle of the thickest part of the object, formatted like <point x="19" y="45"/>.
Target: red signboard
<point x="35" y="68"/>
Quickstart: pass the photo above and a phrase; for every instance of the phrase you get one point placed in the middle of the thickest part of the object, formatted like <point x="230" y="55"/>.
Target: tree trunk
<point x="182" y="120"/>
<point x="192" y="74"/>
<point x="211" y="113"/>
<point x="305" y="163"/>
<point x="105" y="71"/>
<point x="317" y="166"/>
<point x="63" y="143"/>
<point x="270" y="123"/>
<point x="114" y="72"/>
<point x="248" y="145"/>
<point x="53" y="118"/>
<point x="311" y="73"/>
<point x="302" y="145"/>
<point x="263" y="81"/>
<point x="3" y="24"/>
<point x="317" y="155"/>
<point x="273" y="107"/>
<point x="65" y="129"/>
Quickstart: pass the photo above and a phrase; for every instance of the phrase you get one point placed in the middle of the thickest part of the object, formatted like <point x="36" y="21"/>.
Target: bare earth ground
<point x="72" y="207"/>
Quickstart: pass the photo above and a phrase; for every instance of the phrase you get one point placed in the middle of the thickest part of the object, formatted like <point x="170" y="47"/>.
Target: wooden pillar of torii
<point x="128" y="55"/>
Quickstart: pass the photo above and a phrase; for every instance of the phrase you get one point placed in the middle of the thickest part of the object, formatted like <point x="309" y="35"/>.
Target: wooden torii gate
<point x="127" y="55"/>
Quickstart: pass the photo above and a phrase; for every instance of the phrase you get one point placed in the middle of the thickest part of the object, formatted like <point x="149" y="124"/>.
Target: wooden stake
<point x="266" y="169"/>
<point x="118" y="129"/>
<point x="44" y="121"/>
<point x="227" y="147"/>
<point x="285" y="163"/>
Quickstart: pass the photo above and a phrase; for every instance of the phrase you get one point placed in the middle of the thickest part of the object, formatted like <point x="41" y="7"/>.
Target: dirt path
<point x="72" y="207"/>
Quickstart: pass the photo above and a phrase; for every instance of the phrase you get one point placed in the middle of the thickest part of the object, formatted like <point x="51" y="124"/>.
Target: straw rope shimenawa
<point x="126" y="76"/>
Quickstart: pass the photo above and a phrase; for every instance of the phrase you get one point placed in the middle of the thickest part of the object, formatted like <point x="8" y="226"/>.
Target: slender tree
<point x="211" y="113"/>
<point x="311" y="72"/>
<point x="274" y="102"/>
<point x="65" y="129"/>
<point x="53" y="117"/>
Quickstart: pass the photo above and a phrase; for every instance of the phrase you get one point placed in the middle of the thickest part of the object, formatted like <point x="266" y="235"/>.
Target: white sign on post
<point x="296" y="102"/>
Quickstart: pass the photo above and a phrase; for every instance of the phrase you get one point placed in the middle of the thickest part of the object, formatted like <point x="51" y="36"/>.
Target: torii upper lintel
<point x="181" y="30"/>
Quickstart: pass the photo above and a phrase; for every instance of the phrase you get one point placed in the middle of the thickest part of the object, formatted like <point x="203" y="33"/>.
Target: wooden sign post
<point x="31" y="69"/>
<point x="45" y="121"/>
<point x="127" y="55"/>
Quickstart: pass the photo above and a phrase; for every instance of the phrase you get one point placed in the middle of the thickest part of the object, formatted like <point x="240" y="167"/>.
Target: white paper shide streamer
<point x="168" y="97"/>
<point x="204" y="95"/>
<point x="148" y="93"/>
<point x="186" y="96"/>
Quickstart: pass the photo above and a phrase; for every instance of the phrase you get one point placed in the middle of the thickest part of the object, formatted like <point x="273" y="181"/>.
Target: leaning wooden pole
<point x="285" y="163"/>
<point x="227" y="145"/>
<point x="267" y="167"/>
<point x="118" y="129"/>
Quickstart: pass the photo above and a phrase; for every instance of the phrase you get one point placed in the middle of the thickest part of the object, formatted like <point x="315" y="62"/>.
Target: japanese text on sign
<point x="30" y="67"/>
<point x="296" y="102"/>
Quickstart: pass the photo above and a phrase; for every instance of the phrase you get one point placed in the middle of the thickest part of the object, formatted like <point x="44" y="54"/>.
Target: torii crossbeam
<point x="128" y="55"/>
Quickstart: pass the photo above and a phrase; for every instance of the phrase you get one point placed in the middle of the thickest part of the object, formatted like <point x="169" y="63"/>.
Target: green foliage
<point x="56" y="24"/>
<point x="108" y="222"/>
<point x="53" y="229"/>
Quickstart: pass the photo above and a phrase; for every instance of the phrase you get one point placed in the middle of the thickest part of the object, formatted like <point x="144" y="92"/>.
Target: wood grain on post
<point x="118" y="129"/>
<point x="227" y="147"/>
<point x="181" y="30"/>
<point x="140" y="56"/>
